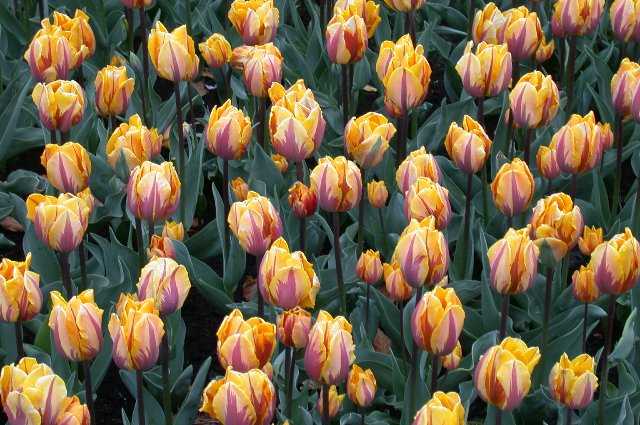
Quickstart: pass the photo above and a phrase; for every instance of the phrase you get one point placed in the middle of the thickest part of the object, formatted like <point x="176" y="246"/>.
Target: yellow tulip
<point x="442" y="409"/>
<point x="451" y="361"/>
<point x="489" y="25"/>
<point x="557" y="223"/>
<point x="522" y="32"/>
<point x="113" y="90"/>
<point x="468" y="146"/>
<point x="546" y="160"/>
<point x="303" y="200"/>
<point x="513" y="187"/>
<point x="369" y="267"/>
<point x="60" y="104"/>
<point x="346" y="37"/>
<point x="228" y="132"/>
<point x="135" y="141"/>
<point x="590" y="239"/>
<point x="240" y="189"/>
<point x="78" y="31"/>
<point x="417" y="164"/>
<point x="255" y="222"/>
<point x="166" y="283"/>
<point x="173" y="53"/>
<point x="261" y="66"/>
<point x="153" y="191"/>
<point x="572" y="382"/>
<point x="255" y="20"/>
<point x="625" y="84"/>
<point x="575" y="17"/>
<point x="584" y="285"/>
<point x="487" y="72"/>
<point x="513" y="262"/>
<point x="361" y="386"/>
<point x="245" y="345"/>
<point x="338" y="183"/>
<point x="68" y="166"/>
<point x="335" y="402"/>
<point x="377" y="193"/>
<point x="367" y="138"/>
<point x="293" y="327"/>
<point x="545" y="50"/>
<point x="534" y="100"/>
<point x="173" y="230"/>
<point x="368" y="10"/>
<point x="427" y="198"/>
<point x="49" y="55"/>
<point x="437" y="320"/>
<point x="616" y="263"/>
<point x="161" y="247"/>
<point x="136" y="4"/>
<point x="404" y="5"/>
<point x="20" y="295"/>
<point x="395" y="283"/>
<point x="625" y="20"/>
<point x="280" y="162"/>
<point x="216" y="51"/>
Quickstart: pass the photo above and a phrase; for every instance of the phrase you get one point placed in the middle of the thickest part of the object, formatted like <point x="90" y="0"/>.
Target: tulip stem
<point x="568" y="420"/>
<point x="260" y="299"/>
<point x="145" y="66"/>
<point x="480" y="111"/>
<point x="570" y="70"/>
<point x="615" y="200"/>
<point x="41" y="9"/>
<point x="362" y="416"/>
<point x="301" y="220"/>
<point x="166" y="384"/>
<point x="584" y="327"/>
<point x="225" y="198"/>
<point x="19" y="339"/>
<point x="64" y="137"/>
<point x="470" y="18"/>
<point x="414" y="361"/>
<point x="338" y="258"/>
<point x="83" y="265"/>
<point x="326" y="419"/>
<point x="344" y="90"/>
<point x="402" y="345"/>
<point x="410" y="25"/>
<point x="128" y="14"/>
<point x="63" y="259"/>
<point x="384" y="233"/>
<point x="152" y="229"/>
<point x="485" y="193"/>
<point x="289" y="366"/>
<point x="53" y="136"/>
<point x="547" y="308"/>
<point x="366" y="308"/>
<point x="498" y="416"/>
<point x="604" y="376"/>
<point x="142" y="257"/>
<point x="261" y="118"/>
<point x="434" y="374"/>
<point x="467" y="219"/>
<point x="527" y="146"/>
<point x="181" y="144"/>
<point x="88" y="390"/>
<point x="635" y="223"/>
<point x="402" y="123"/>
<point x="140" y="397"/>
<point x="504" y="314"/>
<point x="361" y="204"/>
<point x="574" y="185"/>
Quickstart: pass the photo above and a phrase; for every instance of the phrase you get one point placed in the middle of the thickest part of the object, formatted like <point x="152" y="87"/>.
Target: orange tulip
<point x="173" y="53"/>
<point x="255" y="222"/>
<point x="153" y="191"/>
<point x="338" y="183"/>
<point x="20" y="294"/>
<point x="395" y="283"/>
<point x="245" y="344"/>
<point x="377" y="193"/>
<point x="367" y="138"/>
<point x="361" y="386"/>
<point x="417" y="164"/>
<point x="468" y="146"/>
<point x="216" y="51"/>
<point x="346" y="37"/>
<point x="573" y="382"/>
<point x="369" y="267"/>
<point x="303" y="200"/>
<point x="575" y="17"/>
<point x="293" y="327"/>
<point x="113" y="90"/>
<point x="616" y="263"/>
<point x="426" y="198"/>
<point x="68" y="166"/>
<point x="590" y="239"/>
<point x="228" y="132"/>
<point x="255" y="20"/>
<point x="584" y="285"/>
<point x="368" y="10"/>
<point x="135" y="141"/>
<point x="557" y="223"/>
<point x="513" y="187"/>
<point x="60" y="104"/>
<point x="437" y="320"/>
<point x="534" y="100"/>
<point x="487" y="72"/>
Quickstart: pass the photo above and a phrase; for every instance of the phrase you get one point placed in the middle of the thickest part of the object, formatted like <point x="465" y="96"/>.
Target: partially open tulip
<point x="488" y="25"/>
<point x="575" y="17"/>
<point x="280" y="162"/>
<point x="153" y="191"/>
<point x="405" y="74"/>
<point x="404" y="5"/>
<point x="240" y="189"/>
<point x="442" y="409"/>
<point x="60" y="222"/>
<point x="261" y="66"/>
<point x="368" y="10"/>
<point x="369" y="267"/>
<point x="417" y="164"/>
<point x="245" y="344"/>
<point x="468" y="146"/>
<point x="624" y="85"/>
<point x="513" y="187"/>
<point x="395" y="283"/>
<point x="367" y="138"/>
<point x="502" y="376"/>
<point x="625" y="20"/>
<point x="361" y="386"/>
<point x="547" y="162"/>
<point x="255" y="222"/>
<point x="616" y="263"/>
<point x="60" y="104"/>
<point x="487" y="72"/>
<point x="228" y="132"/>
<point x="20" y="295"/>
<point x="162" y="247"/>
<point x="78" y="32"/>
<point x="534" y="100"/>
<point x="216" y="51"/>
<point x="557" y="223"/>
<point x="335" y="402"/>
<point x="377" y="193"/>
<point x="572" y="382"/>
<point x="240" y="398"/>
<point x="296" y="124"/>
<point x="330" y="350"/>
<point x="437" y="320"/>
<point x="49" y="55"/>
<point x="76" y="326"/>
<point x="590" y="239"/>
<point x="293" y="327"/>
<point x="427" y="198"/>
<point x="545" y="50"/>
<point x="166" y="283"/>
<point x="173" y="230"/>
<point x="135" y="141"/>
<point x="583" y="285"/>
<point x="136" y="331"/>
<point x="255" y="20"/>
<point x="513" y="262"/>
<point x="522" y="32"/>
<point x="422" y="253"/>
<point x="338" y="183"/>
<point x="173" y="53"/>
<point x="113" y="90"/>
<point x="346" y="37"/>
<point x="303" y="200"/>
<point x="68" y="166"/>
<point x="451" y="361"/>
<point x="579" y="144"/>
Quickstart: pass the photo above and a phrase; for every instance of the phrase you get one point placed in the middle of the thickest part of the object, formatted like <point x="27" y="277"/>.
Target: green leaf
<point x="189" y="408"/>
<point x="626" y="343"/>
<point x="11" y="124"/>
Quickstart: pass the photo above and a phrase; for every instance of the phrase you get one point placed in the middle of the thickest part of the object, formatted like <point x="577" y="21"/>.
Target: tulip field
<point x="347" y="212"/>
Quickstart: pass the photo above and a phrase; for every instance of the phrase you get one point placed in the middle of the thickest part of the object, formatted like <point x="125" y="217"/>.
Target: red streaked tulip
<point x="417" y="164"/>
<point x="522" y="32"/>
<point x="255" y="20"/>
<point x="534" y="100"/>
<point x="616" y="263"/>
<point x="468" y="146"/>
<point x="377" y="193"/>
<point x="395" y="283"/>
<point x="135" y="141"/>
<point x="228" y="132"/>
<point x="513" y="262"/>
<point x="547" y="162"/>
<point x="369" y="267"/>
<point x="404" y="5"/>
<point x="442" y="409"/>
<point x="572" y="382"/>
<point x="513" y="187"/>
<point x="487" y="72"/>
<point x="337" y="182"/>
<point x="624" y="85"/>
<point x="367" y="138"/>
<point x="173" y="53"/>
<point x="245" y="344"/>
<point x="262" y="66"/>
<point x="545" y="50"/>
<point x="590" y="239"/>
<point x="579" y="144"/>
<point x="240" y="189"/>
<point x="303" y="200"/>
<point x="293" y="327"/>
<point x="113" y="90"/>
<point x="369" y="10"/>
<point x="575" y="17"/>
<point x="451" y="361"/>
<point x="280" y="162"/>
<point x="78" y="32"/>
<point x="361" y="386"/>
<point x="584" y="285"/>
<point x="489" y="25"/>
<point x="68" y="166"/>
<point x="625" y="20"/>
<point x="346" y="37"/>
<point x="216" y="51"/>
<point x="160" y="246"/>
<point x="20" y="294"/>
<point x="60" y="104"/>
<point x="557" y="223"/>
<point x="427" y="198"/>
<point x="153" y="191"/>
<point x="335" y="402"/>
<point x="136" y="4"/>
<point x="166" y="283"/>
<point x="49" y="55"/>
<point x="255" y="222"/>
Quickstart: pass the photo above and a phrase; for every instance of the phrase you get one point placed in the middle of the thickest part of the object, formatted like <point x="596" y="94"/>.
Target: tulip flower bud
<point x="245" y="345"/>
<point x="404" y="5"/>
<point x="377" y="193"/>
<point x="616" y="263"/>
<point x="153" y="191"/>
<point x="437" y="320"/>
<point x="522" y="32"/>
<point x="369" y="267"/>
<point x="296" y="124"/>
<point x="338" y="183"/>
<point x="395" y="283"/>
<point x="173" y="53"/>
<point x="61" y="222"/>
<point x="49" y="54"/>
<point x="443" y="408"/>
<point x="487" y="72"/>
<point x="335" y="402"/>
<point x="255" y="20"/>
<point x="135" y="141"/>
<point x="575" y="17"/>
<point x="513" y="262"/>
<point x="330" y="350"/>
<point x="547" y="162"/>
<point x="161" y="247"/>
<point x="584" y="285"/>
<point x="228" y="132"/>
<point x="60" y="104"/>
<point x="216" y="51"/>
<point x="166" y="282"/>
<point x="361" y="386"/>
<point x="545" y="50"/>
<point x="534" y="100"/>
<point x="262" y="66"/>
<point x="417" y="164"/>
<point x="468" y="146"/>
<point x="173" y="230"/>
<point x="293" y="327"/>
<point x="451" y="361"/>
<point x="302" y="200"/>
<point x="280" y="162"/>
<point x="20" y="295"/>
<point x="368" y="10"/>
<point x="79" y="33"/>
<point x="624" y="84"/>
<point x="557" y="223"/>
<point x="136" y="4"/>
<point x="489" y="25"/>
<point x="405" y="74"/>
<point x="113" y="90"/>
<point x="76" y="326"/>
<point x="68" y="166"/>
<point x="240" y="189"/>
<point x="255" y="222"/>
<point x="513" y="187"/>
<point x="346" y="37"/>
<point x="572" y="383"/>
<point x="579" y="144"/>
<point x="427" y="198"/>
<point x="502" y="376"/>
<point x="136" y="331"/>
<point x="367" y="138"/>
<point x="625" y="20"/>
<point x="590" y="239"/>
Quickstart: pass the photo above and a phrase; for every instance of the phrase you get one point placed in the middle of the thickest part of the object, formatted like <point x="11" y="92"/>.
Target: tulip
<point x="522" y="32"/>
<point x="160" y="246"/>
<point x="534" y="100"/>
<point x="369" y="267"/>
<point x="513" y="262"/>
<point x="513" y="187"/>
<point x="625" y="21"/>
<point x="113" y="90"/>
<point x="293" y="327"/>
<point x="166" y="283"/>
<point x="135" y="141"/>
<point x="255" y="20"/>
<point x="136" y="331"/>
<point x="153" y="191"/>
<point x="572" y="382"/>
<point x="584" y="285"/>
<point x="173" y="230"/>
<point x="427" y="198"/>
<point x="255" y="222"/>
<point x="346" y="37"/>
<point x="579" y="143"/>
<point x="334" y="400"/>
<point x="547" y="163"/>
<point x="468" y="146"/>
<point x="417" y="164"/>
<point x="280" y="162"/>
<point x="367" y="138"/>
<point x="302" y="200"/>
<point x="575" y="17"/>
<point x="49" y="55"/>
<point x="68" y="166"/>
<point x="487" y="72"/>
<point x="338" y="183"/>
<point x="216" y="51"/>
<point x="228" y="132"/>
<point x="404" y="5"/>
<point x="557" y="223"/>
<point x="20" y="295"/>
<point x="136" y="4"/>
<point x="361" y="386"/>
<point x="60" y="104"/>
<point x="616" y="263"/>
<point x="443" y="408"/>
<point x="377" y="193"/>
<point x="489" y="25"/>
<point x="624" y="85"/>
<point x="502" y="376"/>
<point x="590" y="239"/>
<point x="240" y="189"/>
<point x="78" y="31"/>
<point x="451" y="361"/>
<point x="395" y="283"/>
<point x="368" y="10"/>
<point x="544" y="51"/>
<point x="173" y="53"/>
<point x="261" y="68"/>
<point x="245" y="345"/>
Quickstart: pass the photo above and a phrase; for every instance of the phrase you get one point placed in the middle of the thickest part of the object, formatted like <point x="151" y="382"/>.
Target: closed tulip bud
<point x="534" y="100"/>
<point x="136" y="4"/>
<point x="513" y="187"/>
<point x="346" y="37"/>
<point x="395" y="283"/>
<point x="557" y="223"/>
<point x="20" y="295"/>
<point x="616" y="263"/>
<point x="245" y="344"/>
<point x="338" y="183"/>
<point x="584" y="285"/>
<point x="240" y="189"/>
<point x="367" y="138"/>
<point x="575" y="17"/>
<point x="624" y="84"/>
<point x="136" y="331"/>
<point x="49" y="54"/>
<point x="545" y="50"/>
<point x="502" y="376"/>
<point x="160" y="246"/>
<point x="417" y="164"/>
<point x="255" y="222"/>
<point x="377" y="193"/>
<point x="335" y="402"/>
<point x="487" y="72"/>
<point x="302" y="200"/>
<point x="369" y="267"/>
<point x="437" y="320"/>
<point x="113" y="90"/>
<point x="489" y="25"/>
<point x="427" y="198"/>
<point x="451" y="361"/>
<point x="442" y="409"/>
<point x="361" y="386"/>
<point x="513" y="262"/>
<point x="262" y="66"/>
<point x="293" y="327"/>
<point x="468" y="146"/>
<point x="590" y="239"/>
<point x="546" y="159"/>
<point x="625" y="21"/>
<point x="135" y="141"/>
<point x="68" y="166"/>
<point x="173" y="53"/>
<point x="60" y="222"/>
<point x="296" y="124"/>
<point x="572" y="383"/>
<point x="153" y="191"/>
<point x="404" y="5"/>
<point x="60" y="104"/>
<point x="369" y="10"/>
<point x="280" y="162"/>
<point x="330" y="350"/>
<point x="255" y="20"/>
<point x="216" y="51"/>
<point x="76" y="326"/>
<point x="405" y="74"/>
<point x="78" y="32"/>
<point x="578" y="144"/>
<point x="173" y="230"/>
<point x="228" y="132"/>
<point x="522" y="32"/>
<point x="166" y="283"/>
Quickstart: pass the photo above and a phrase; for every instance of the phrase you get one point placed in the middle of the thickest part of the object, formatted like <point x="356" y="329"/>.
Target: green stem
<point x="326" y="419"/>
<point x="88" y="390"/>
<point x="570" y="70"/>
<point x="145" y="66"/>
<point x="414" y="363"/>
<point x="128" y="13"/>
<point x="260" y="299"/>
<point x="19" y="339"/>
<point x="361" y="207"/>
<point x="410" y="25"/>
<point x="615" y="200"/>
<point x="434" y="373"/>
<point x="140" y="397"/>
<point x="181" y="144"/>
<point x="585" y="327"/>
<point x="568" y="420"/>
<point x="366" y="308"/>
<point x="604" y="376"/>
<point x="504" y="314"/>
<point x="142" y="255"/>
<point x="289" y="363"/>
<point x="547" y="308"/>
<point x="301" y="220"/>
<point x="344" y="90"/>
<point x="401" y="153"/>
<point x="338" y="258"/>
<point x="166" y="383"/>
<point x="83" y="265"/>
<point x="467" y="220"/>
<point x="527" y="146"/>
<point x="225" y="198"/>
<point x="63" y="259"/>
<point x="260" y="121"/>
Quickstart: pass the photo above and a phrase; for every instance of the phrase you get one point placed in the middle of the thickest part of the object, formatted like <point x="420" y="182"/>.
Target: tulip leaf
<point x="389" y="314"/>
<point x="189" y="408"/>
<point x="627" y="340"/>
<point x="154" y="414"/>
<point x="192" y="181"/>
<point x="11" y="116"/>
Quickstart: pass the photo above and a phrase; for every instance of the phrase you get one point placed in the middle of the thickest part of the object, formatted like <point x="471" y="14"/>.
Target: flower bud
<point x="590" y="239"/>
<point x="153" y="191"/>
<point x="368" y="10"/>
<point x="575" y="17"/>
<point x="346" y="37"/>
<point x="557" y="223"/>
<point x="49" y="54"/>
<point x="427" y="198"/>
<point x="616" y="263"/>
<point x="377" y="193"/>
<point x="572" y="383"/>
<point x="442" y="409"/>
<point x="487" y="72"/>
<point x="338" y="183"/>
<point x="335" y="402"/>
<point x="513" y="262"/>
<point x="135" y="141"/>
<point x="547" y="162"/>
<point x="625" y="20"/>
<point x="240" y="189"/>
<point x="522" y="32"/>
<point x="534" y="100"/>
<point x="173" y="53"/>
<point x="395" y="283"/>
<point x="79" y="33"/>
<point x="20" y="295"/>
<point x="361" y="386"/>
<point x="255" y="20"/>
<point x="262" y="66"/>
<point x="60" y="104"/>
<point x="579" y="143"/>
<point x="68" y="166"/>
<point x="513" y="187"/>
<point x="161" y="247"/>
<point x="173" y="230"/>
<point x="228" y="132"/>
<point x="584" y="285"/>
<point x="451" y="361"/>
<point x="369" y="267"/>
<point x="166" y="282"/>
<point x="367" y="138"/>
<point x="624" y="84"/>
<point x="468" y="146"/>
<point x="404" y="5"/>
<point x="437" y="320"/>
<point x="255" y="222"/>
<point x="280" y="162"/>
<point x="113" y="90"/>
<point x="216" y="51"/>
<point x="302" y="200"/>
<point x="136" y="4"/>
<point x="545" y="50"/>
<point x="293" y="327"/>
<point x="417" y="164"/>
<point x="245" y="345"/>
